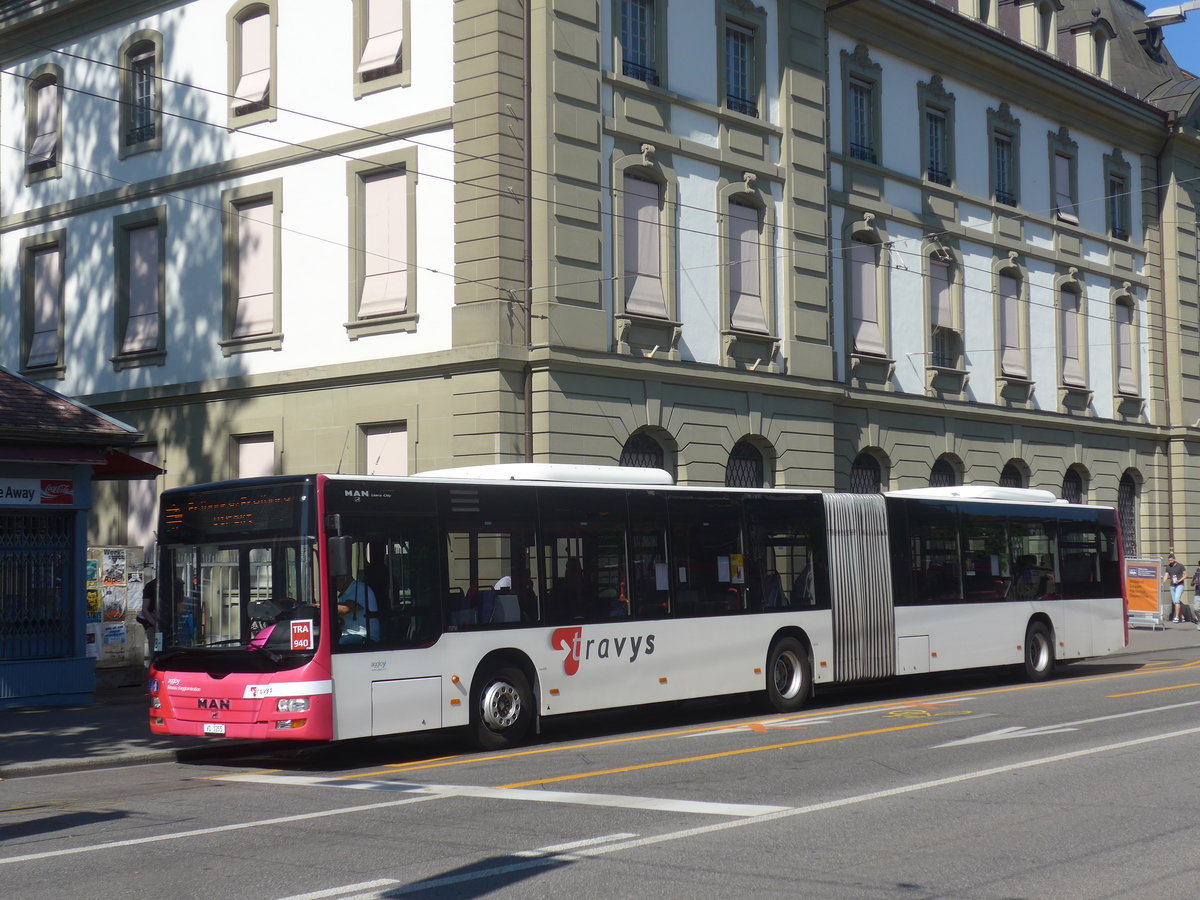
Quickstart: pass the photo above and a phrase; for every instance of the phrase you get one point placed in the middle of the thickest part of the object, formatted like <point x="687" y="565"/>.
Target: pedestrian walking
<point x="1174" y="576"/>
<point x="1196" y="595"/>
<point x="148" y="616"/>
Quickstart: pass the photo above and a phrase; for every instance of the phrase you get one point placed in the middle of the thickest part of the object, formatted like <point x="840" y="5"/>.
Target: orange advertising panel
<point x="1142" y="586"/>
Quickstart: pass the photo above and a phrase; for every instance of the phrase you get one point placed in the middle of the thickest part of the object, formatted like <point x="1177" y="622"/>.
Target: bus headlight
<point x="291" y="704"/>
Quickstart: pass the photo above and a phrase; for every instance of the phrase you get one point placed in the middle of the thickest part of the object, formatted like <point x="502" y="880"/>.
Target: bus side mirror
<point x="339" y="548"/>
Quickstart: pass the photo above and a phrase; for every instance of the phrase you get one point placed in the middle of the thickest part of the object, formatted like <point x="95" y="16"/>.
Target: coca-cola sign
<point x="37" y="492"/>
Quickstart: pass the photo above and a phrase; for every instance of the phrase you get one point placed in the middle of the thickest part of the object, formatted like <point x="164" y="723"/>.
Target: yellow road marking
<point x="1174" y="687"/>
<point x="708" y="756"/>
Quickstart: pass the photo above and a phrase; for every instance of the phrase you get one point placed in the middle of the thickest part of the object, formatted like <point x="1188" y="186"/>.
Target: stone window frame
<point x="659" y="43"/>
<point x="239" y="14"/>
<point x="858" y="67"/>
<point x="1002" y="124"/>
<point x="39" y="78"/>
<point x="1012" y="267"/>
<point x="748" y="193"/>
<point x="947" y="253"/>
<point x="1123" y="296"/>
<point x="745" y="15"/>
<point x="357" y="172"/>
<point x="650" y="165"/>
<point x="1118" y="205"/>
<point x="1060" y="144"/>
<point x="402" y="76"/>
<point x="934" y="99"/>
<point x="57" y="240"/>
<point x="232" y="201"/>
<point x="134" y="47"/>
<point x="122" y="226"/>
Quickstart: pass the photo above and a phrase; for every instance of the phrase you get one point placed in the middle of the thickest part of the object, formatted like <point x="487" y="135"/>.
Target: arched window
<point x="942" y="474"/>
<point x="745" y="467"/>
<point x="866" y="475"/>
<point x="1072" y="487"/>
<point x="1012" y="477"/>
<point x="642" y="451"/>
<point x="1127" y="501"/>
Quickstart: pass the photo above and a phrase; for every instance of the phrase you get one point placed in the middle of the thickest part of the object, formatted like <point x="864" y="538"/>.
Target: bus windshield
<point x="251" y="595"/>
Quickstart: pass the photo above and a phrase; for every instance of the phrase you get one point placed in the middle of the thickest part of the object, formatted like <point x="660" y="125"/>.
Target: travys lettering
<point x="578" y="648"/>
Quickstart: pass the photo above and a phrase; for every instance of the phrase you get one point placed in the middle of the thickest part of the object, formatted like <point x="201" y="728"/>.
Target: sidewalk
<point x="114" y="730"/>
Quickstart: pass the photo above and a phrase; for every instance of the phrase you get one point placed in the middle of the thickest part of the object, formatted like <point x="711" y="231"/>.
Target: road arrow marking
<point x="1018" y="731"/>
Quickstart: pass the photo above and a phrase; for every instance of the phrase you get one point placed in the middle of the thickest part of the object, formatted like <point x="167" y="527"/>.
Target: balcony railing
<point x="637" y="70"/>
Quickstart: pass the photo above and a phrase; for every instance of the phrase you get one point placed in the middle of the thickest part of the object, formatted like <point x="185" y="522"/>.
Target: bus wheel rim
<point x="500" y="706"/>
<point x="788" y="679"/>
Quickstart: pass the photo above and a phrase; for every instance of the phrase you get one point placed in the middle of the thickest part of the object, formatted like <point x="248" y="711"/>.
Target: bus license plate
<point x="213" y="728"/>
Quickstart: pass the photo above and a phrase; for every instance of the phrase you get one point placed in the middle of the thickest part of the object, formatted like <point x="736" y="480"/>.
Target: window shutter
<point x="141" y="325"/>
<point x="47" y="299"/>
<point x="1012" y="361"/>
<point x="1126" y="382"/>
<point x="1072" y="370"/>
<point x="385" y="246"/>
<point x="385" y="35"/>
<point x="256" y="270"/>
<point x="643" y="248"/>
<point x="745" y="291"/>
<point x="254" y="83"/>
<point x="863" y="264"/>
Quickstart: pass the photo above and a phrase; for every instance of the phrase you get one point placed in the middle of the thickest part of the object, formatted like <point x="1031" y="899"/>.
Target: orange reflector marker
<point x="757" y="670"/>
<point x="553" y="692"/>
<point x="662" y="681"/>
<point x="454" y="701"/>
<point x="934" y="654"/>
<point x="823" y="664"/>
<point x="454" y="679"/>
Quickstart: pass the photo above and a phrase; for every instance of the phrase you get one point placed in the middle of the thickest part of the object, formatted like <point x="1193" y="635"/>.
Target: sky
<point x="1183" y="40"/>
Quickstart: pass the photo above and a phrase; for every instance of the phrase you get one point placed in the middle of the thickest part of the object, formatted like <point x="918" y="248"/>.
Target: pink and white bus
<point x="327" y="607"/>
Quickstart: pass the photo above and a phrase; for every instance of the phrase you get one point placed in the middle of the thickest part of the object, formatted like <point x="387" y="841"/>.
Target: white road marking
<point x="621" y="801"/>
<point x="1016" y="731"/>
<point x="802" y="721"/>
<point x="345" y="889"/>
<point x="575" y="845"/>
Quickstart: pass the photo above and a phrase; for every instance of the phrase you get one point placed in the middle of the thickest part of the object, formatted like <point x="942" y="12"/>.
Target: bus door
<point x="860" y="582"/>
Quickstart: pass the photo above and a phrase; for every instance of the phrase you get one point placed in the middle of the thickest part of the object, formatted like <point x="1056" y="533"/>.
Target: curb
<point x="140" y="758"/>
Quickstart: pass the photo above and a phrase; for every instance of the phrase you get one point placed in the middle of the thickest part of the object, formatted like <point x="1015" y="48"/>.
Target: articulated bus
<point x="327" y="607"/>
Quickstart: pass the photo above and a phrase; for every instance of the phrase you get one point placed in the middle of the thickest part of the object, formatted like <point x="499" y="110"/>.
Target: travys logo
<point x="578" y="648"/>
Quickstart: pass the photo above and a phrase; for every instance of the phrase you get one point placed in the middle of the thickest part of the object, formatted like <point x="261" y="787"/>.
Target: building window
<point x="42" y="277"/>
<point x="1038" y="23"/>
<point x="140" y="276"/>
<point x="861" y="125"/>
<point x="639" y="40"/>
<point x="382" y="34"/>
<point x="642" y="451"/>
<point x="252" y="269"/>
<point x="1127" y="382"/>
<point x="1072" y="486"/>
<point x="255" y="455"/>
<point x="1127" y="512"/>
<point x="866" y="475"/>
<point x="385" y="449"/>
<point x="745" y="468"/>
<point x="1117" y="175"/>
<point x="945" y="334"/>
<point x="1012" y="356"/>
<point x="1070" y="327"/>
<point x="1064" y="176"/>
<point x="937" y="136"/>
<point x="643" y="247"/>
<point x="1004" y="158"/>
<point x="741" y="89"/>
<point x="43" y="126"/>
<point x="1011" y="476"/>
<point x="943" y="474"/>
<point x="864" y="296"/>
<point x="383" y="290"/>
<point x="746" y="312"/>
<point x="252" y="64"/>
<point x="141" y="104"/>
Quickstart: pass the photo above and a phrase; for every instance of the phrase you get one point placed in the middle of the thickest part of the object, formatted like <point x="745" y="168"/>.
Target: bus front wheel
<point x="501" y="708"/>
<point x="789" y="677"/>
<point x="1039" y="652"/>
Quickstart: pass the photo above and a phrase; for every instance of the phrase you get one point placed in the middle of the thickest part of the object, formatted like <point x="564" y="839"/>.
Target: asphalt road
<point x="971" y="787"/>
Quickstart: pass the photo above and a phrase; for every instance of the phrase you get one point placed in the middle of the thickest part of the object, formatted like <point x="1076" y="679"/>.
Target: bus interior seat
<point x="506" y="608"/>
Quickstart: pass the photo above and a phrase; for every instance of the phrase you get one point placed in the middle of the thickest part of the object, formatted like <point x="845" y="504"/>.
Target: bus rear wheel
<point x="501" y="708"/>
<point x="789" y="675"/>
<point x="1039" y="652"/>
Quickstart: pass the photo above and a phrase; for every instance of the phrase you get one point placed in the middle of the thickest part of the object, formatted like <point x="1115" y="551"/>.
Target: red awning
<point x="120" y="466"/>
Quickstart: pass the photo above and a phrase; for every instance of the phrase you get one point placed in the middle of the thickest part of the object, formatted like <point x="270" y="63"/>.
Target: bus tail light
<point x="292" y="704"/>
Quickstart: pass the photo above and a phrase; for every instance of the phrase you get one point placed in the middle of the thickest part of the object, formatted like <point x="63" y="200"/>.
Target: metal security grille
<point x="860" y="581"/>
<point x="1072" y="489"/>
<point x="36" y="620"/>
<point x="1011" y="477"/>
<point x="643" y="451"/>
<point x="745" y="467"/>
<point x="942" y="475"/>
<point x="1127" y="510"/>
<point x="866" y="475"/>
